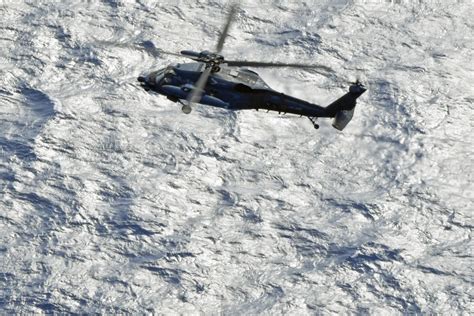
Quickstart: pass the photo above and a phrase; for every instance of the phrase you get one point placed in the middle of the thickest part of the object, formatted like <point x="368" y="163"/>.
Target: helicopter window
<point x="159" y="75"/>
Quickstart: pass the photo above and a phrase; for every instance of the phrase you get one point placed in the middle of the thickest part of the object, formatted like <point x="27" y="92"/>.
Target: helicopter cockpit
<point x="160" y="76"/>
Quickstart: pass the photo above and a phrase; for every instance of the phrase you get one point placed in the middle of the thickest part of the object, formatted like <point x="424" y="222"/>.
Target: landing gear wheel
<point x="313" y="120"/>
<point x="186" y="109"/>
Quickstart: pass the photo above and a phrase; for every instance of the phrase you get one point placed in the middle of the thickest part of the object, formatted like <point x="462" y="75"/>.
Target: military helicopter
<point x="215" y="81"/>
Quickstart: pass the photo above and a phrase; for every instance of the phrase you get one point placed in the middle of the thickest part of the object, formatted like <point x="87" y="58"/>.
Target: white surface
<point x="113" y="201"/>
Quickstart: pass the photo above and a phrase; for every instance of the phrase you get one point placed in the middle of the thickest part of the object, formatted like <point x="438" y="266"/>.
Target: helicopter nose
<point x="143" y="83"/>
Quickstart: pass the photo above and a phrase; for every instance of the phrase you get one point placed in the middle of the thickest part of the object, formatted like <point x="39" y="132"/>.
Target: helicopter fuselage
<point x="228" y="87"/>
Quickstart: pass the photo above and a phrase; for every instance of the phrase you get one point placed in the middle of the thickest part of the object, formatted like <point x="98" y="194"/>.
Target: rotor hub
<point x="212" y="60"/>
<point x="207" y="56"/>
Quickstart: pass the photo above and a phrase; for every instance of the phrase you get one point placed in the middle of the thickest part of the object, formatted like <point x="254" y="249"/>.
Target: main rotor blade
<point x="198" y="90"/>
<point x="265" y="64"/>
<point x="225" y="31"/>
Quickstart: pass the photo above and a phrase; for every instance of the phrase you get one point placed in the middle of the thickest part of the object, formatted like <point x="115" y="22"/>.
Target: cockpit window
<point x="156" y="76"/>
<point x="170" y="70"/>
<point x="162" y="74"/>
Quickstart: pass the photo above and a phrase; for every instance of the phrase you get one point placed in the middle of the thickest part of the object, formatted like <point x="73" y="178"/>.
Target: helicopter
<point x="215" y="81"/>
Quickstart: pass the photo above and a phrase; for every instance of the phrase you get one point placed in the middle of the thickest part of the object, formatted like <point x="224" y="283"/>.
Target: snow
<point x="113" y="201"/>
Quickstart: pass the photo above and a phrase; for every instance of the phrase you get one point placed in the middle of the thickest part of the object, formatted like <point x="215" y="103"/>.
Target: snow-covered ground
<point x="113" y="201"/>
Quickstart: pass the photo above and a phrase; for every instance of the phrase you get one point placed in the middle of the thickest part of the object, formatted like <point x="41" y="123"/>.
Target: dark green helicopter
<point x="213" y="80"/>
